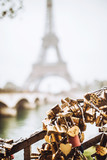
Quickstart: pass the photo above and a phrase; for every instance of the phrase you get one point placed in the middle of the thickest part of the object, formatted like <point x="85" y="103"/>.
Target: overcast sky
<point x="81" y="26"/>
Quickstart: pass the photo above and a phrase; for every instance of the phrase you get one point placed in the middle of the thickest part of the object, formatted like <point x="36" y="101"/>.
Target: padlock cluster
<point x="65" y="125"/>
<point x="5" y="147"/>
<point x="95" y="107"/>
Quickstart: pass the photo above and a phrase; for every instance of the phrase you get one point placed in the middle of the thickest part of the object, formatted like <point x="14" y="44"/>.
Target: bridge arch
<point x="22" y="103"/>
<point x="3" y="109"/>
<point x="3" y="105"/>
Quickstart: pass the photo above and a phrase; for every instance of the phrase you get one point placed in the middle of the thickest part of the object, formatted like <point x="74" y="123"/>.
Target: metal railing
<point x="39" y="135"/>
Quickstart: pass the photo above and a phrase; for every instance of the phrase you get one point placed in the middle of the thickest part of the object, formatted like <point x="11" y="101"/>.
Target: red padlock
<point x="12" y="156"/>
<point x="75" y="141"/>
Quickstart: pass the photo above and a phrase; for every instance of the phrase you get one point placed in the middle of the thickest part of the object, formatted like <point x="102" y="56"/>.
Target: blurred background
<point x="48" y="50"/>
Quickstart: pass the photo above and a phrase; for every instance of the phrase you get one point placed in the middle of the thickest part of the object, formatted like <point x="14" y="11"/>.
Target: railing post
<point x="27" y="152"/>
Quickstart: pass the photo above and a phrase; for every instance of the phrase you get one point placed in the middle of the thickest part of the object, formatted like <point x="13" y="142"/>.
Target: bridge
<point x="11" y="102"/>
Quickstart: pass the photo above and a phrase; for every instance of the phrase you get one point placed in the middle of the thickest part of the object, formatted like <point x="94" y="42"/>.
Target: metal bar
<point x="27" y="152"/>
<point x="25" y="144"/>
<point x="92" y="142"/>
<point x="28" y="141"/>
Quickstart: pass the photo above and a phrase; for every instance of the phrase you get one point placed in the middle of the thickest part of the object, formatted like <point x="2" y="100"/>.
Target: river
<point x="26" y="123"/>
<point x="23" y="125"/>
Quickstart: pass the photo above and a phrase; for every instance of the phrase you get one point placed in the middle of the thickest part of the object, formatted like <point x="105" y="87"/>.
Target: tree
<point x="9" y="8"/>
<point x="9" y="86"/>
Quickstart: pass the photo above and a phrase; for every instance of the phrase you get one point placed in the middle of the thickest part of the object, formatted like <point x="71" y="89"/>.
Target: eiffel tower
<point x="41" y="68"/>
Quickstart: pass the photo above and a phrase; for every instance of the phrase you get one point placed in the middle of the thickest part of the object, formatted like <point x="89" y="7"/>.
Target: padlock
<point x="2" y="151"/>
<point x="51" y="129"/>
<point x="101" y="150"/>
<point x="75" y="141"/>
<point x="45" y="123"/>
<point x="82" y="125"/>
<point x="76" y="120"/>
<point x="99" y="121"/>
<point x="54" y="147"/>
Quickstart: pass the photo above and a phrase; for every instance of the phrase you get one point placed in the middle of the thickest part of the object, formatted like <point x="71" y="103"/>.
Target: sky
<point x="81" y="27"/>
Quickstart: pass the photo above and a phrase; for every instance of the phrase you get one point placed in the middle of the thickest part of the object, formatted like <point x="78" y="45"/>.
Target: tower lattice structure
<point x="41" y="68"/>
